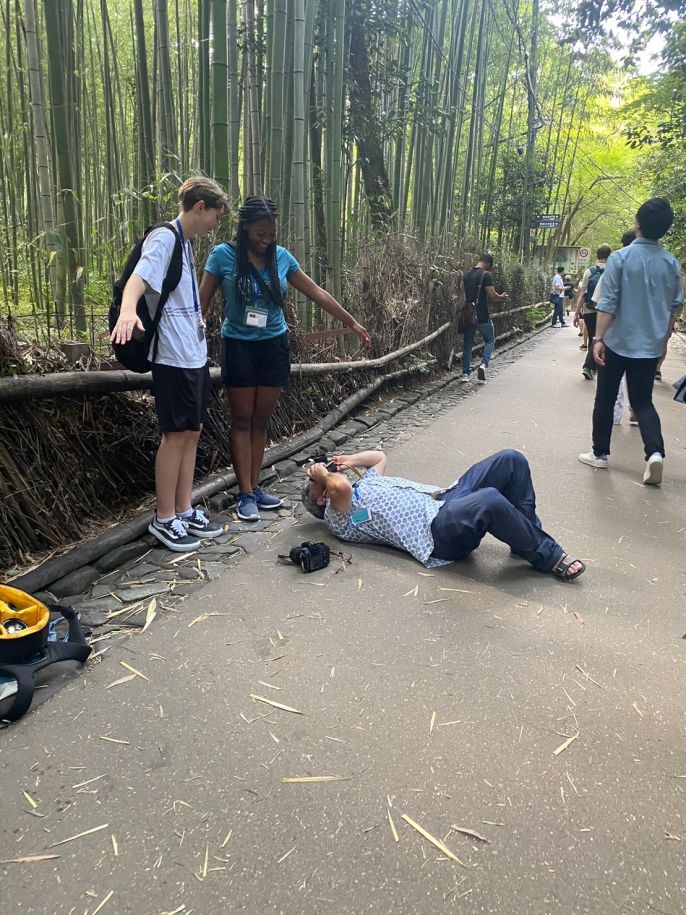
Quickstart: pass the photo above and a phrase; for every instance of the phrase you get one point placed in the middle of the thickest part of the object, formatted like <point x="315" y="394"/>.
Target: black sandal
<point x="561" y="570"/>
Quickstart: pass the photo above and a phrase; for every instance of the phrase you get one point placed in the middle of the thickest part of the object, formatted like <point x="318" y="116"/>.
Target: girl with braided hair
<point x="254" y="273"/>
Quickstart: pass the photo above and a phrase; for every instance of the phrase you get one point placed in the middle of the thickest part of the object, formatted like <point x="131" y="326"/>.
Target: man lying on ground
<point x="495" y="496"/>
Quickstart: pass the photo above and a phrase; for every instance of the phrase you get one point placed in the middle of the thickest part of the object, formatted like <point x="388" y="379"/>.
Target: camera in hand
<point x="323" y="458"/>
<point x="310" y="556"/>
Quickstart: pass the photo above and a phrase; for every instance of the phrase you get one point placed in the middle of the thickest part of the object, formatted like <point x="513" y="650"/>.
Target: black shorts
<point x="181" y="397"/>
<point x="256" y="363"/>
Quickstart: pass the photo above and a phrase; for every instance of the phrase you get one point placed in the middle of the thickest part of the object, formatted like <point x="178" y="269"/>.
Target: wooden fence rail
<point x="60" y="384"/>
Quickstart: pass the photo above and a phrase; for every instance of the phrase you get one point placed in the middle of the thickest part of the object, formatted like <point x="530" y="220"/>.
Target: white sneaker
<point x="464" y="379"/>
<point x="652" y="475"/>
<point x="481" y="373"/>
<point x="590" y="458"/>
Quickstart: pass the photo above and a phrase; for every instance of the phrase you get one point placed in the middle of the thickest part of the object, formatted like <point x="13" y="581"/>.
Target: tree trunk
<point x="366" y="128"/>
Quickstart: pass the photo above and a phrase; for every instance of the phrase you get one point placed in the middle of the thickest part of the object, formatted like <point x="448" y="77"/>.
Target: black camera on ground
<point x="310" y="556"/>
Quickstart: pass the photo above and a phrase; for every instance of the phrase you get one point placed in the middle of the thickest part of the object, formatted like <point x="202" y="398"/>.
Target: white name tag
<point x="255" y="318"/>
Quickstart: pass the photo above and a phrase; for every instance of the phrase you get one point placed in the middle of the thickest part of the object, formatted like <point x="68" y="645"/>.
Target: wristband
<point x="598" y="340"/>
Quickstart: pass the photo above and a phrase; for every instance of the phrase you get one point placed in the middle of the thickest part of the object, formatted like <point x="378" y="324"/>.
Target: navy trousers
<point x="495" y="496"/>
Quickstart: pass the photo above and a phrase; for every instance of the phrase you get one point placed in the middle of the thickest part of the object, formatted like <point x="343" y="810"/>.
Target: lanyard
<point x="188" y="253"/>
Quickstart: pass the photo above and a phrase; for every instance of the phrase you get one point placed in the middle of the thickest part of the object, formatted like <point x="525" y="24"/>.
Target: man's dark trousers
<point x="590" y="319"/>
<point x="640" y="377"/>
<point x="495" y="496"/>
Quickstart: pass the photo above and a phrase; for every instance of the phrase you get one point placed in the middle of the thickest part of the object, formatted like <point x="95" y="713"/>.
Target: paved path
<point x="441" y="697"/>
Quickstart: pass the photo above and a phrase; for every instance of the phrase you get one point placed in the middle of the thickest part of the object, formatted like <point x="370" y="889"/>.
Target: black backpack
<point x="596" y="273"/>
<point x="134" y="354"/>
<point x="30" y="642"/>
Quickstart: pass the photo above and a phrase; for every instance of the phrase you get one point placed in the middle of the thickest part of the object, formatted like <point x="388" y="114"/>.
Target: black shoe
<point x="173" y="534"/>
<point x="199" y="525"/>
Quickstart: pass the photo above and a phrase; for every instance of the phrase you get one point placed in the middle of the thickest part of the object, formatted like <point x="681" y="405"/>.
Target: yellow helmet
<point x="23" y="625"/>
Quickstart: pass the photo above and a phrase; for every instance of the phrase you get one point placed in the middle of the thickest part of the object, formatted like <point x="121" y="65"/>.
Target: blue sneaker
<point x="246" y="507"/>
<point x="265" y="499"/>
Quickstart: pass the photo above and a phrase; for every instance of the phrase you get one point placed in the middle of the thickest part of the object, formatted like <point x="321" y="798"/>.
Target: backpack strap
<point x="266" y="290"/>
<point x="479" y="288"/>
<point x="171" y="281"/>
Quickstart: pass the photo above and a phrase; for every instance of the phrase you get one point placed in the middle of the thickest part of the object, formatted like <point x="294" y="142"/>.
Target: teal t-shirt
<point x="242" y="319"/>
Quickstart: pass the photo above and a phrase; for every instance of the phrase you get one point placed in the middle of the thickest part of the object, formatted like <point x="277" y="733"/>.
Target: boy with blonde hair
<point x="180" y="374"/>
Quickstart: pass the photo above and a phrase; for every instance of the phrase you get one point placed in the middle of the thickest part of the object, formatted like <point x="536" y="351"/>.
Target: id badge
<point x="255" y="317"/>
<point x="360" y="515"/>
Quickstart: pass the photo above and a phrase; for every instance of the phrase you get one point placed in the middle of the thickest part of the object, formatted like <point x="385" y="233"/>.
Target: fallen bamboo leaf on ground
<point x="285" y="708"/>
<point x="80" y="835"/>
<point x="470" y="832"/>
<point x="95" y="779"/>
<point x="133" y="670"/>
<point x="413" y="591"/>
<point x="433" y="722"/>
<point x="460" y="590"/>
<point x="289" y="852"/>
<point x="112" y="739"/>
<point x="434" y="841"/>
<point x="203" y="617"/>
<point x="106" y="899"/>
<point x="563" y="746"/>
<point x="29" y="859"/>
<point x="121" y="680"/>
<point x="150" y="614"/>
<point x="394" y="831"/>
<point x="30" y="799"/>
<point x="306" y="779"/>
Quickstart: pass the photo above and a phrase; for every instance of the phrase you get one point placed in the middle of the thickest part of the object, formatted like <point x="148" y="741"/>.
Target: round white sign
<point x="584" y="252"/>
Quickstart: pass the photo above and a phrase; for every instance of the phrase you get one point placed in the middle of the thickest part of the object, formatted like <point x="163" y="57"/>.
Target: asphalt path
<point x="535" y="728"/>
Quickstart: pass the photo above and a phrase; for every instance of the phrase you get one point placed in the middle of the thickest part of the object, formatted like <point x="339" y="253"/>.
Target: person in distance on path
<point x="437" y="527"/>
<point x="479" y="288"/>
<point x="557" y="289"/>
<point x="585" y="305"/>
<point x="641" y="296"/>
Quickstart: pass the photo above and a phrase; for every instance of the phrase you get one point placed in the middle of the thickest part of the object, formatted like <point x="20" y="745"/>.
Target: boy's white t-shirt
<point x="178" y="343"/>
<point x="558" y="285"/>
<point x="595" y="298"/>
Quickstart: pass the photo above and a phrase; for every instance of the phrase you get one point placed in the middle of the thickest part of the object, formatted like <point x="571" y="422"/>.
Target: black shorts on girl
<point x="181" y="397"/>
<point x="256" y="363"/>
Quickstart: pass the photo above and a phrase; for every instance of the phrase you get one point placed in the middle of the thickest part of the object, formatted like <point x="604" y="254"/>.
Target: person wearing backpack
<point x="178" y="353"/>
<point x="254" y="273"/>
<point x="586" y="307"/>
<point x="479" y="291"/>
<point x="641" y="296"/>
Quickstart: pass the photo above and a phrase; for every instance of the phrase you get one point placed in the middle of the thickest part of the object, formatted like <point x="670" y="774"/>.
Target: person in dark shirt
<point x="479" y="288"/>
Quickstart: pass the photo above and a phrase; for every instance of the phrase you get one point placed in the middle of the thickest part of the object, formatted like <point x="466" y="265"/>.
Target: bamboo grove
<point x="450" y="122"/>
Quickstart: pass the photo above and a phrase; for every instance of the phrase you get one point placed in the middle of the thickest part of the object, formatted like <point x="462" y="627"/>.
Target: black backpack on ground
<point x="30" y="641"/>
<point x="134" y="354"/>
<point x="596" y="273"/>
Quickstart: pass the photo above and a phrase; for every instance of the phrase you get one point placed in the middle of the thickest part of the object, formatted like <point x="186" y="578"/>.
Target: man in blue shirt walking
<point x="641" y="295"/>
